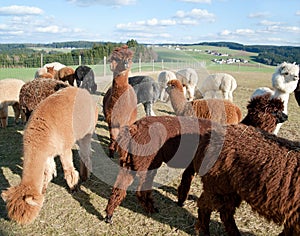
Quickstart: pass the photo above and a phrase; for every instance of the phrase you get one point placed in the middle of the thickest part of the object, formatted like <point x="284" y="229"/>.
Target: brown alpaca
<point x="119" y="102"/>
<point x="263" y="113"/>
<point x="60" y="120"/>
<point x="66" y="74"/>
<point x="35" y="91"/>
<point x="219" y="110"/>
<point x="252" y="166"/>
<point x="154" y="140"/>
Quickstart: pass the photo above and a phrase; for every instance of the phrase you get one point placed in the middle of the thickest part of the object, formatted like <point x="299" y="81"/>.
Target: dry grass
<point x="82" y="213"/>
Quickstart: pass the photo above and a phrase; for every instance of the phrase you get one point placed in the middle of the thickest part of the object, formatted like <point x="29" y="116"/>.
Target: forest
<point x="91" y="53"/>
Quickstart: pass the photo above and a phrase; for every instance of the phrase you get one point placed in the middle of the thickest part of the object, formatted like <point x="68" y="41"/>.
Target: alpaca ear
<point x="4" y="196"/>
<point x="31" y="201"/>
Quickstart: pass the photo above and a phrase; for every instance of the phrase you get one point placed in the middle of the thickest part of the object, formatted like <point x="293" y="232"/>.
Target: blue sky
<point x="275" y="22"/>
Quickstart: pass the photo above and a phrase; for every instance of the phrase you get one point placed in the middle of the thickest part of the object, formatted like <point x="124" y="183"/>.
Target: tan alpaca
<point x="60" y="120"/>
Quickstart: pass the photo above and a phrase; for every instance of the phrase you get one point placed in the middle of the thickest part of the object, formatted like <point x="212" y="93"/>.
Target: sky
<point x="249" y="22"/>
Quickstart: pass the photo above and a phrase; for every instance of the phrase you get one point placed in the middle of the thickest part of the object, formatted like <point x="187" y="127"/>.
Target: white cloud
<point x="102" y="2"/>
<point x="20" y="10"/>
<point x="225" y="32"/>
<point x="268" y="23"/>
<point x="258" y="15"/>
<point x="199" y="14"/>
<point x="244" y="32"/>
<point x="298" y="13"/>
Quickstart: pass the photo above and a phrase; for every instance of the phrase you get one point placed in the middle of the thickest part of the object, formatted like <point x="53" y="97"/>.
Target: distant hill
<point x="18" y="53"/>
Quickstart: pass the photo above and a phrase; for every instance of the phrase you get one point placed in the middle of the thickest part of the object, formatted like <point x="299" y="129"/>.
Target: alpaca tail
<point x="23" y="203"/>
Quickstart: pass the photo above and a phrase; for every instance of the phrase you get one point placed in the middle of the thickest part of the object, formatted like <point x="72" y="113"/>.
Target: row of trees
<point x="25" y="56"/>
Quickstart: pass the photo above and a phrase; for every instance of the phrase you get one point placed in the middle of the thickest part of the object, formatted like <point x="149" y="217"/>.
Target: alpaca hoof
<point x="108" y="219"/>
<point x="181" y="204"/>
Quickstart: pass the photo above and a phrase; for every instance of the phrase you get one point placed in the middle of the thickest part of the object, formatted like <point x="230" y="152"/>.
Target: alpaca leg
<point x="71" y="175"/>
<point x="49" y="173"/>
<point x="144" y="191"/>
<point x="148" y="109"/>
<point x="85" y="155"/>
<point x="113" y="135"/>
<point x="3" y="116"/>
<point x="229" y="204"/>
<point x="17" y="111"/>
<point x="204" y="211"/>
<point x="123" y="181"/>
<point x="185" y="184"/>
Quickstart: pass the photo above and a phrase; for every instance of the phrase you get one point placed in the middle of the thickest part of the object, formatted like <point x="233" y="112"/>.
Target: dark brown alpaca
<point x="119" y="102"/>
<point x="66" y="74"/>
<point x="263" y="113"/>
<point x="152" y="141"/>
<point x="253" y="166"/>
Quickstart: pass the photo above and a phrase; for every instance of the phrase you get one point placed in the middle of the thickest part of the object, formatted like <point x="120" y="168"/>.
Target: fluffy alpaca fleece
<point x="147" y="91"/>
<point x="219" y="85"/>
<point x="284" y="82"/>
<point x="189" y="79"/>
<point x="150" y="141"/>
<point x="263" y="113"/>
<point x="9" y="96"/>
<point x="35" y="91"/>
<point x="56" y="124"/>
<point x="56" y="65"/>
<point x="163" y="78"/>
<point x="144" y="146"/>
<point x="66" y="74"/>
<point x="219" y="110"/>
<point x="120" y="101"/>
<point x="253" y="166"/>
<point x="85" y="78"/>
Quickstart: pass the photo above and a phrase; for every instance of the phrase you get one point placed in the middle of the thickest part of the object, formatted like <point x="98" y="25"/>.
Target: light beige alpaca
<point x="60" y="120"/>
<point x="9" y="96"/>
<point x="219" y="110"/>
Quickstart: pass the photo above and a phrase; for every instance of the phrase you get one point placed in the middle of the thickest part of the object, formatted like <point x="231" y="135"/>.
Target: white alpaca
<point x="162" y="80"/>
<point x="189" y="79"/>
<point x="284" y="82"/>
<point x="219" y="85"/>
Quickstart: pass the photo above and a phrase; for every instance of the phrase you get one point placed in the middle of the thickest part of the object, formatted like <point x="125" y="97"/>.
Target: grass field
<point x="82" y="213"/>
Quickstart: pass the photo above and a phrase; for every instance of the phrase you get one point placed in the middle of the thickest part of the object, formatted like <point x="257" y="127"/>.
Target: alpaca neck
<point x="120" y="81"/>
<point x="284" y="97"/>
<point x="33" y="168"/>
<point x="178" y="101"/>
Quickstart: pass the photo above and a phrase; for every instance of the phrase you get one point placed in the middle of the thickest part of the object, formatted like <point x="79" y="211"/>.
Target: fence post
<point x="162" y="64"/>
<point x="140" y="65"/>
<point x="104" y="66"/>
<point x="42" y="59"/>
<point x="79" y="60"/>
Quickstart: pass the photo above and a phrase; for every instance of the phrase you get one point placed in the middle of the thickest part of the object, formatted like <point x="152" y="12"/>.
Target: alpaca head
<point x="289" y="71"/>
<point x="23" y="203"/>
<point x="121" y="59"/>
<point x="174" y="84"/>
<point x="265" y="112"/>
<point x="50" y="69"/>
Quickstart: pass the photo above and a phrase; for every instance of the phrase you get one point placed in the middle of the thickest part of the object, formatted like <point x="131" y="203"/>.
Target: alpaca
<point x="150" y="141"/>
<point x="253" y="166"/>
<point x="40" y="72"/>
<point x="162" y="80"/>
<point x="45" y="72"/>
<point x="85" y="78"/>
<point x="297" y="92"/>
<point x="120" y="101"/>
<point x="147" y="92"/>
<point x="264" y="113"/>
<point x="219" y="85"/>
<point x="56" y="65"/>
<point x="219" y="110"/>
<point x="9" y="96"/>
<point x="35" y="91"/>
<point x="189" y="79"/>
<point x="284" y="82"/>
<point x="60" y="120"/>
<point x="66" y="74"/>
